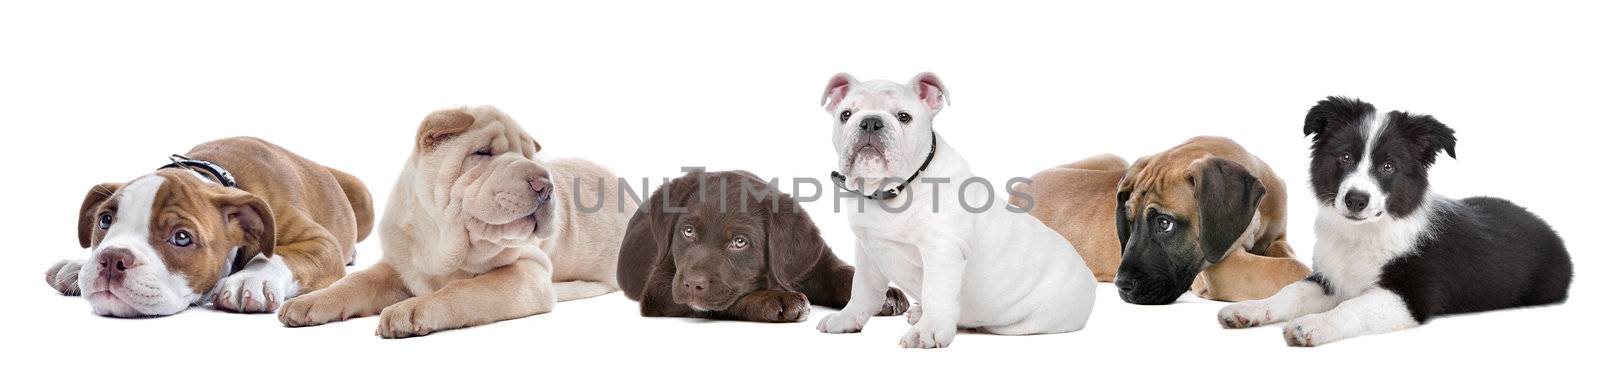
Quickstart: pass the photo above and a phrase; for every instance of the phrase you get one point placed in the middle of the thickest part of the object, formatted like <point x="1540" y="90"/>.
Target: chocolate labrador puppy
<point x="725" y="245"/>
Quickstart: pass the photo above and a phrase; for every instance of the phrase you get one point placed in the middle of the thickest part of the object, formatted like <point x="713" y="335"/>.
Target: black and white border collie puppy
<point x="1390" y="254"/>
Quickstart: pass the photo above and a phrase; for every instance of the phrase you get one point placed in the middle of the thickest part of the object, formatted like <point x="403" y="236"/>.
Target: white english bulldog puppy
<point x="944" y="237"/>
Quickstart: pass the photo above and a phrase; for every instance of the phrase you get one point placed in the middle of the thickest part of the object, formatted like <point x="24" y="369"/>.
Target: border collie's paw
<point x="63" y="276"/>
<point x="926" y="337"/>
<point x="1307" y="332"/>
<point x="839" y="322"/>
<point x="1246" y="314"/>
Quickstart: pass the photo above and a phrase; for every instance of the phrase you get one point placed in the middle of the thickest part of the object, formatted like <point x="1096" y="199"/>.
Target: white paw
<point x="921" y="336"/>
<point x="250" y="292"/>
<point x="839" y="322"/>
<point x="63" y="276"/>
<point x="1245" y="314"/>
<point x="914" y="313"/>
<point x="1308" y="331"/>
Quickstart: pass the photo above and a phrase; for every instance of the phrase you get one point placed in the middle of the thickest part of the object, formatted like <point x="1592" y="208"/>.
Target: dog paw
<point x="914" y="314"/>
<point x="1244" y="315"/>
<point x="316" y="308"/>
<point x="63" y="276"/>
<point x="782" y="307"/>
<point x="412" y="317"/>
<point x="839" y="322"/>
<point x="250" y="292"/>
<point x="1307" y="332"/>
<point x="895" y="304"/>
<point x="926" y="336"/>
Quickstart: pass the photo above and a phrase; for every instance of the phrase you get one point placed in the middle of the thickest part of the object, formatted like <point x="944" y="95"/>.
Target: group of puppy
<point x="480" y="228"/>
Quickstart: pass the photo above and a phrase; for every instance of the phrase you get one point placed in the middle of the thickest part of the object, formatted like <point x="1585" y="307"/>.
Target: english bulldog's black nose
<point x="114" y="262"/>
<point x="1356" y="201"/>
<point x="871" y="124"/>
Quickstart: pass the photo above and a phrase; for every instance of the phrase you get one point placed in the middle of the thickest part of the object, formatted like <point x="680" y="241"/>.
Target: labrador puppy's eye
<point x="739" y="243"/>
<point x="688" y="231"/>
<point x="844" y="116"/>
<point x="1164" y="224"/>
<point x="181" y="238"/>
<point x="1388" y="167"/>
<point x="105" y="220"/>
<point x="1344" y="157"/>
<point x="903" y="117"/>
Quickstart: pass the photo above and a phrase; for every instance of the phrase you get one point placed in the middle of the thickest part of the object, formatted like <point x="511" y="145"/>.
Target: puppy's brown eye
<point x="844" y="116"/>
<point x="1164" y="224"/>
<point x="1388" y="168"/>
<point x="181" y="239"/>
<point x="903" y="117"/>
<point x="688" y="231"/>
<point x="105" y="220"/>
<point x="1344" y="157"/>
<point x="739" y="243"/>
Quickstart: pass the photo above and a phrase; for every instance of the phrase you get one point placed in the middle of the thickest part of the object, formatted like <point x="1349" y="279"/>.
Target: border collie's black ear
<point x="1333" y="110"/>
<point x="1226" y="196"/>
<point x="1432" y="135"/>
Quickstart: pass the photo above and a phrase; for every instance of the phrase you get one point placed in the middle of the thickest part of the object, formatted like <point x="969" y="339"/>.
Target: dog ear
<point x="837" y="87"/>
<point x="1225" y="196"/>
<point x="251" y="217"/>
<point x="1431" y="134"/>
<point x="794" y="245"/>
<point x="1332" y="111"/>
<point x="931" y="91"/>
<point x="665" y="206"/>
<point x="87" y="219"/>
<point x="440" y="126"/>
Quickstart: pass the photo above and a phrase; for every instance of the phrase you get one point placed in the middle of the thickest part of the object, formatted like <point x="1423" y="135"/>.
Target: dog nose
<point x="114" y="262"/>
<point x="1356" y="201"/>
<point x="694" y="283"/>
<point x="1125" y="284"/>
<point x="871" y="124"/>
<point x="541" y="187"/>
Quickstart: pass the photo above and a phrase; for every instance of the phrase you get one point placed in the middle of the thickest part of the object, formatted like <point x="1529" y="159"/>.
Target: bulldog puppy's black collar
<point x="886" y="194"/>
<point x="202" y="167"/>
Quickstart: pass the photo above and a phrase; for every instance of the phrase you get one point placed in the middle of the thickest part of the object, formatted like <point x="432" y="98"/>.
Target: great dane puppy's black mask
<point x="1174" y="225"/>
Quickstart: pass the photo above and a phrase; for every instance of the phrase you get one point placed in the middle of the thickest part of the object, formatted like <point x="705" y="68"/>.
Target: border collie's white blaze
<point x="1390" y="254"/>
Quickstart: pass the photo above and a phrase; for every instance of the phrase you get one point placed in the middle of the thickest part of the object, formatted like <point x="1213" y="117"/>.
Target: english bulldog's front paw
<point x="412" y="317"/>
<point x="1308" y="331"/>
<point x="914" y="313"/>
<point x="1245" y="314"/>
<point x="840" y="322"/>
<point x="928" y="336"/>
<point x="63" y="276"/>
<point x="250" y="292"/>
<point x="896" y="303"/>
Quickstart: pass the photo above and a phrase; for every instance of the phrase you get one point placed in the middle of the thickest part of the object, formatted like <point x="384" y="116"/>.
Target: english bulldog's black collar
<point x="204" y="168"/>
<point x="886" y="194"/>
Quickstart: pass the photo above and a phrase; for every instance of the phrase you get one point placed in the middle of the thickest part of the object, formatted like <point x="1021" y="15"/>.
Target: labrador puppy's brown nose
<point x="694" y="284"/>
<point x="541" y="187"/>
<point x="115" y="262"/>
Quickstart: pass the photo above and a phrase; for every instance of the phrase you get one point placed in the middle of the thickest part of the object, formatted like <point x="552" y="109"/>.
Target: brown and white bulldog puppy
<point x="182" y="236"/>
<point x="1205" y="215"/>
<point x="480" y="228"/>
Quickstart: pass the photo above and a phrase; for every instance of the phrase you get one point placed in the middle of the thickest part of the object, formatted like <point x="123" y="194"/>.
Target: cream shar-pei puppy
<point x="479" y="229"/>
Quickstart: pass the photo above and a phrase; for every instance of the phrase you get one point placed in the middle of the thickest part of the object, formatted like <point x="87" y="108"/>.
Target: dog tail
<point x="360" y="200"/>
<point x="579" y="289"/>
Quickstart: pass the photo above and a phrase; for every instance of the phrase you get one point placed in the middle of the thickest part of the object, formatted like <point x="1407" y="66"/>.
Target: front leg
<point x="363" y="293"/>
<point x="868" y="291"/>
<point x="1376" y="311"/>
<point x="306" y="259"/>
<point x="1298" y="299"/>
<point x="517" y="290"/>
<point x="943" y="264"/>
<point x="1247" y="276"/>
<point x="261" y="286"/>
<point x="769" y="306"/>
<point x="831" y="287"/>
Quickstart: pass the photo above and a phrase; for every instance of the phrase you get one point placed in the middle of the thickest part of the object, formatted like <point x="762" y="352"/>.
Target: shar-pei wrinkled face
<point x="476" y="166"/>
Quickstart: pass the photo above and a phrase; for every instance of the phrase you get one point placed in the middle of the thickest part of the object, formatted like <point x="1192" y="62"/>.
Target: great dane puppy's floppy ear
<point x="837" y="87"/>
<point x="87" y="219"/>
<point x="931" y="91"/>
<point x="1226" y="196"/>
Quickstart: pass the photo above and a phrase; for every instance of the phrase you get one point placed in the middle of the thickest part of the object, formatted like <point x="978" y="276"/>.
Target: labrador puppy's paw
<point x="250" y="292"/>
<point x="780" y="307"/>
<point x="1308" y="331"/>
<point x="63" y="276"/>
<point x="914" y="313"/>
<point x="840" y="322"/>
<point x="412" y="317"/>
<point x="895" y="304"/>
<point x="1245" y="315"/>
<point x="927" y="336"/>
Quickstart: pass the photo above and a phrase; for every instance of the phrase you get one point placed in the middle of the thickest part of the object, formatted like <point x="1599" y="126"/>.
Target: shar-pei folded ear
<point x="794" y="245"/>
<point x="1226" y="196"/>
<point x="650" y="231"/>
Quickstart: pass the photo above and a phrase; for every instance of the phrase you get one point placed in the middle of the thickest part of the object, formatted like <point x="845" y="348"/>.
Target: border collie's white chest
<point x="1351" y="256"/>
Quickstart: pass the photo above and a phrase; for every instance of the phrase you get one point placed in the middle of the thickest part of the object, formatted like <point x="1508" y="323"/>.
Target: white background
<point x="103" y="92"/>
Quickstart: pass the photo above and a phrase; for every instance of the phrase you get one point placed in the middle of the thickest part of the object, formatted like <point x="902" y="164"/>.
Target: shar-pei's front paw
<point x="63" y="276"/>
<point x="316" y="308"/>
<point x="413" y="317"/>
<point x="928" y="336"/>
